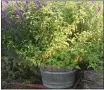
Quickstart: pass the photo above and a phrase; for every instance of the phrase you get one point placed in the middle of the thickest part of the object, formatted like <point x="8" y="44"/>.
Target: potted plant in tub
<point x="58" y="62"/>
<point x="58" y="67"/>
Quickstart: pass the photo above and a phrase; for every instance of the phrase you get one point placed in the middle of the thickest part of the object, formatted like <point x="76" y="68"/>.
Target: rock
<point x="93" y="80"/>
<point x="3" y="84"/>
<point x="4" y="74"/>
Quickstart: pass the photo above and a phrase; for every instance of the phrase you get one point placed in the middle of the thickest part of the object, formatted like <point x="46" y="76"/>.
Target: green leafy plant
<point x="61" y="57"/>
<point x="89" y="48"/>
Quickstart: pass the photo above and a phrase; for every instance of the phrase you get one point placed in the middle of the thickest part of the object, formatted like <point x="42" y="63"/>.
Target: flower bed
<point x="62" y="35"/>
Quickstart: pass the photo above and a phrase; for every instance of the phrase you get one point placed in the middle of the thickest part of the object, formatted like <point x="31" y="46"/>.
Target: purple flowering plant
<point x="20" y="14"/>
<point x="6" y="1"/>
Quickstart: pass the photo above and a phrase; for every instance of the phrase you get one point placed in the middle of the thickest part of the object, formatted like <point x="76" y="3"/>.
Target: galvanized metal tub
<point x="57" y="79"/>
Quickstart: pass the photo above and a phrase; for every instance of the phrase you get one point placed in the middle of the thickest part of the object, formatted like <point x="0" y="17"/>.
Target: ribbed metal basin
<point x="58" y="79"/>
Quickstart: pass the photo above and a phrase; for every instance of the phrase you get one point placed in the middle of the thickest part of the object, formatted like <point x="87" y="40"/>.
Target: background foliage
<point x="64" y="34"/>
